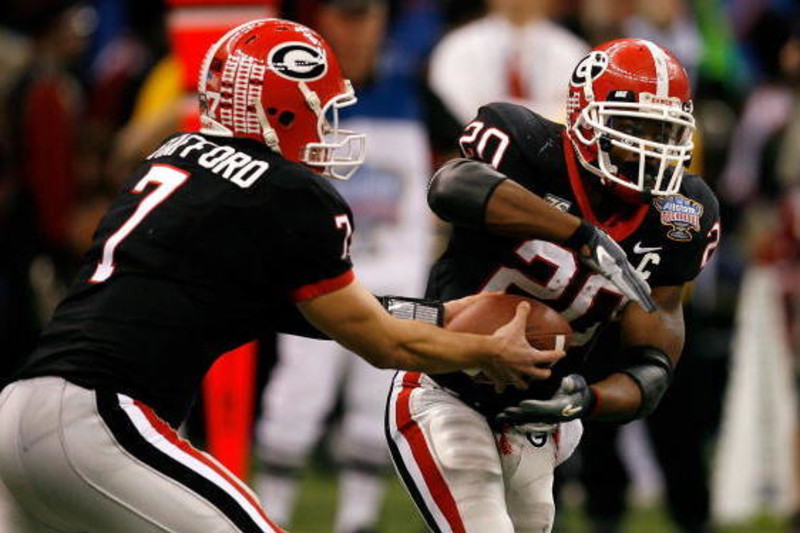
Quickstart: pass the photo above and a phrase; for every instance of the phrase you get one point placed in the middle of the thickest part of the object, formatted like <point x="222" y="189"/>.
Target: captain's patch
<point x="681" y="214"/>
<point x="557" y="202"/>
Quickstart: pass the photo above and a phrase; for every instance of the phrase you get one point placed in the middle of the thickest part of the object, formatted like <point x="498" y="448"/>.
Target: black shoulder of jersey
<point x="696" y="188"/>
<point x="531" y="132"/>
<point x="518" y="142"/>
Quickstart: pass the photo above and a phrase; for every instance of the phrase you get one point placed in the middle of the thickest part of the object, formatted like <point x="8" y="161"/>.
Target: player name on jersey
<point x="224" y="161"/>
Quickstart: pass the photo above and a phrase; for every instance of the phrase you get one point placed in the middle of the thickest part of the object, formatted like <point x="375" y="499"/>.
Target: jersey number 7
<point x="167" y="180"/>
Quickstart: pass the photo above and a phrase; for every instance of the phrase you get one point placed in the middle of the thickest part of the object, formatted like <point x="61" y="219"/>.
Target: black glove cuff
<point x="428" y="311"/>
<point x="581" y="236"/>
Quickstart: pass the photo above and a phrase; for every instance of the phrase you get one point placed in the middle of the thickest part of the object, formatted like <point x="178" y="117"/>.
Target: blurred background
<point x="87" y="88"/>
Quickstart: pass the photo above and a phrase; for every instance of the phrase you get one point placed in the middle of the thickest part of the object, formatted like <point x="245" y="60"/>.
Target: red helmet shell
<point x="259" y="81"/>
<point x="647" y="77"/>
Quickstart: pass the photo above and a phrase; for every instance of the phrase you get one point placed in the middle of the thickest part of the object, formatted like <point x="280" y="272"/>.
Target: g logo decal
<point x="590" y="68"/>
<point x="298" y="61"/>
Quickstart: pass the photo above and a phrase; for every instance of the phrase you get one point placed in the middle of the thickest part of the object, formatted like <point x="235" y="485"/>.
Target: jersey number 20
<point x="167" y="180"/>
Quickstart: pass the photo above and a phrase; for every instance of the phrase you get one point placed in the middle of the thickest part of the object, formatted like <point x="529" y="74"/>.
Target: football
<point x="545" y="330"/>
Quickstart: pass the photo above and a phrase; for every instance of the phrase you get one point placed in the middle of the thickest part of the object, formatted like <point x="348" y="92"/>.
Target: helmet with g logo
<point x="279" y="83"/>
<point x="632" y="95"/>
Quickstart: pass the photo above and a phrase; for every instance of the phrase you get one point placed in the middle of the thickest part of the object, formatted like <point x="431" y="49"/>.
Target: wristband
<point x="428" y="311"/>
<point x="581" y="236"/>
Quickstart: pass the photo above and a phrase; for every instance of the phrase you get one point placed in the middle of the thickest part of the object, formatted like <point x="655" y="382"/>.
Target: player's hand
<point x="454" y="307"/>
<point x="599" y="252"/>
<point x="515" y="358"/>
<point x="573" y="399"/>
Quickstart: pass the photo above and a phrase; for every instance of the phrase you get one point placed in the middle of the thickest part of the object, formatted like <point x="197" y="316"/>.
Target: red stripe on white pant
<point x="411" y="431"/>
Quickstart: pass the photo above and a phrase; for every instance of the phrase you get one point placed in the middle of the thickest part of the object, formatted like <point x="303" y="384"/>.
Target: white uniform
<point x="391" y="251"/>
<point x="463" y="475"/>
<point x="483" y="62"/>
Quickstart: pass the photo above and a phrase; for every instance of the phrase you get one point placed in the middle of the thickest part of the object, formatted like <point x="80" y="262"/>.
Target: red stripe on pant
<point x="422" y="455"/>
<point x="167" y="432"/>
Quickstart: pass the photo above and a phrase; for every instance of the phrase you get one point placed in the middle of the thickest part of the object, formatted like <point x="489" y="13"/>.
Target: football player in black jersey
<point x="218" y="237"/>
<point x="477" y="460"/>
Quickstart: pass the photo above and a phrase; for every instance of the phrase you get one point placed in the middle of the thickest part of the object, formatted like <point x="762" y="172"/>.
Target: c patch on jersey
<point x="681" y="214"/>
<point x="298" y="61"/>
<point x="558" y="203"/>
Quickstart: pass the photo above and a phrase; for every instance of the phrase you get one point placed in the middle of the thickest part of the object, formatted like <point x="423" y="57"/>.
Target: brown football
<point x="546" y="329"/>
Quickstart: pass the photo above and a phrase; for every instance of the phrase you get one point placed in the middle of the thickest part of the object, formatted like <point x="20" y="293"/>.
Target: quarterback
<point x="217" y="237"/>
<point x="477" y="460"/>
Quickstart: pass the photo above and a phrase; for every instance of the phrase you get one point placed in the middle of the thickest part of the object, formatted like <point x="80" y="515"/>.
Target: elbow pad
<point x="460" y="190"/>
<point x="651" y="369"/>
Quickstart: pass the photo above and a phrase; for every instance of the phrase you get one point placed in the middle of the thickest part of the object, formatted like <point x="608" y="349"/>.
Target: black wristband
<point x="428" y="311"/>
<point x="581" y="236"/>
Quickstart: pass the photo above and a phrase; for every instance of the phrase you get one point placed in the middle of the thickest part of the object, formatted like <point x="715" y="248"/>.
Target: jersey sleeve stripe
<point x="312" y="290"/>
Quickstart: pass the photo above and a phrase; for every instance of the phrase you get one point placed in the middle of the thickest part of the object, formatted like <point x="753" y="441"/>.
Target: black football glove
<point x="572" y="400"/>
<point x="599" y="252"/>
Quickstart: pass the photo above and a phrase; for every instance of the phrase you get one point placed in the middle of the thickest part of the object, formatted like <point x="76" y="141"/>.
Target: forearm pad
<point x="460" y="190"/>
<point x="428" y="311"/>
<point x="651" y="369"/>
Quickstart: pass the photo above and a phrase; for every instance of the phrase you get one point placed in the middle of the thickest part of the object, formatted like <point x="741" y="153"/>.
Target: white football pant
<point x="462" y="475"/>
<point x="80" y="461"/>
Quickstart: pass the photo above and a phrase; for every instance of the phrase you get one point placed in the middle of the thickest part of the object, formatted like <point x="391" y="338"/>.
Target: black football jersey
<point x="668" y="240"/>
<point x="209" y="244"/>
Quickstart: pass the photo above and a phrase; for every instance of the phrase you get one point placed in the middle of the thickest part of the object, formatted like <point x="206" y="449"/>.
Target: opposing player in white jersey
<point x="392" y="250"/>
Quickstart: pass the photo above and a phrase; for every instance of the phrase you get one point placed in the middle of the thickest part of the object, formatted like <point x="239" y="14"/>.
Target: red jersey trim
<point x="621" y="225"/>
<point x="312" y="290"/>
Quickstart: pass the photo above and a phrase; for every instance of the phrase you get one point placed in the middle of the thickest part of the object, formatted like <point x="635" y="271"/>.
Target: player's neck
<point x="605" y="204"/>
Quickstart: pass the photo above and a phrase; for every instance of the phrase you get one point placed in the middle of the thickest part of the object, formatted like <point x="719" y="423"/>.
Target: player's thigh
<point x="529" y="461"/>
<point x="137" y="475"/>
<point x="446" y="455"/>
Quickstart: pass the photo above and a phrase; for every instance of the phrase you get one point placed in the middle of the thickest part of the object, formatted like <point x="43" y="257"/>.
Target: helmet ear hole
<point x="605" y="144"/>
<point x="286" y="118"/>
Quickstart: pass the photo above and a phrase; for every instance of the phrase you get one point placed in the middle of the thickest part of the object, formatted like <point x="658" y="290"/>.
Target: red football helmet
<point x="633" y="95"/>
<point x="279" y="83"/>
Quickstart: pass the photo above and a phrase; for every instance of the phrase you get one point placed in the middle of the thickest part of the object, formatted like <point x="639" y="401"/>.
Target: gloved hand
<point x="599" y="252"/>
<point x="573" y="399"/>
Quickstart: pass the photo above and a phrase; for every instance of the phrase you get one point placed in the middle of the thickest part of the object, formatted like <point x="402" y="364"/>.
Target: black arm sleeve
<point x="460" y="190"/>
<point x="651" y="369"/>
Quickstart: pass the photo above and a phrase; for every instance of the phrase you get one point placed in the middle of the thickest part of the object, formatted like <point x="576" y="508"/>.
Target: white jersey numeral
<point x="562" y="270"/>
<point x="342" y="222"/>
<point x="474" y="140"/>
<point x="167" y="180"/>
<point x="713" y="236"/>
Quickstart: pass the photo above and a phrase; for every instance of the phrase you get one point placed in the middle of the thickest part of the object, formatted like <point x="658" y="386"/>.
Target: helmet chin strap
<point x="267" y="132"/>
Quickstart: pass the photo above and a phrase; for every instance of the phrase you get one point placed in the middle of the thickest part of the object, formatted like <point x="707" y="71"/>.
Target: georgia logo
<point x="298" y="61"/>
<point x="590" y="68"/>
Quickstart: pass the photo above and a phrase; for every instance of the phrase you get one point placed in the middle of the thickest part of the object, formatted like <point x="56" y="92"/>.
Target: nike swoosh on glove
<point x="573" y="399"/>
<point x="599" y="252"/>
